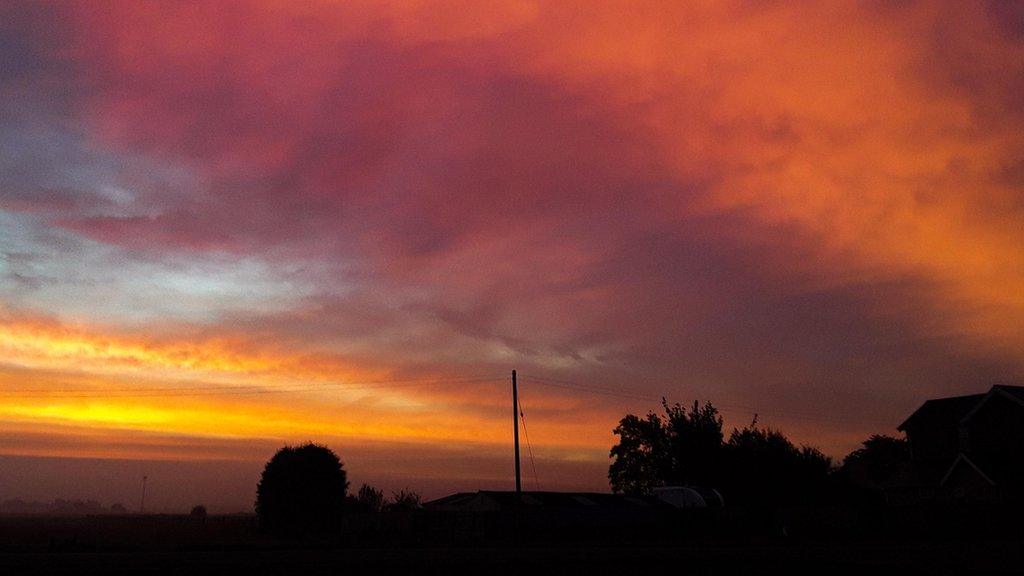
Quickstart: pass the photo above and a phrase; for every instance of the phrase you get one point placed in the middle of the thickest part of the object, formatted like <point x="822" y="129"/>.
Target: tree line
<point x="754" y="465"/>
<point x="306" y="488"/>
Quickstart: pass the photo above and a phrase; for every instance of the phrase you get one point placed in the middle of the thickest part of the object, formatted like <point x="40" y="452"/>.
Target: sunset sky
<point x="226" y="226"/>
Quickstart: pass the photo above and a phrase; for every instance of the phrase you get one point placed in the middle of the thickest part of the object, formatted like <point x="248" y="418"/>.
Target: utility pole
<point x="515" y="427"/>
<point x="142" y="501"/>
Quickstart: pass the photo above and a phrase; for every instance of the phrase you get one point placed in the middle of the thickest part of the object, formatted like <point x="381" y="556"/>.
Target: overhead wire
<point x="529" y="448"/>
<point x="566" y="384"/>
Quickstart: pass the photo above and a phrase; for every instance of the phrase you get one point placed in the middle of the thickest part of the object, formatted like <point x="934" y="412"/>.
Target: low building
<point x="496" y="501"/>
<point x="555" y="517"/>
<point x="690" y="496"/>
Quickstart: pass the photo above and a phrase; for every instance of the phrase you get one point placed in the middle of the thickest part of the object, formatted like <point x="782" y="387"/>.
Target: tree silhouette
<point x="641" y="456"/>
<point x="198" y="513"/>
<point x="403" y="501"/>
<point x="685" y="447"/>
<point x="764" y="468"/>
<point x="695" y="444"/>
<point x="681" y="447"/>
<point x="878" y="458"/>
<point x="369" y="499"/>
<point x="301" y="489"/>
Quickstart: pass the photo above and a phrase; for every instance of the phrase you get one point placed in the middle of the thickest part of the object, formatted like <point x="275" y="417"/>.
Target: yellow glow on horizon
<point x="828" y="136"/>
<point x="48" y="344"/>
<point x="239" y="422"/>
<point x="78" y="377"/>
<point x="95" y="413"/>
<point x="96" y="368"/>
<point x="229" y="359"/>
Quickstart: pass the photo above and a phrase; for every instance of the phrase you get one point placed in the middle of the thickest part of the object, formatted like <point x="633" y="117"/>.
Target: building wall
<point x="994" y="438"/>
<point x="964" y="482"/>
<point x="933" y="441"/>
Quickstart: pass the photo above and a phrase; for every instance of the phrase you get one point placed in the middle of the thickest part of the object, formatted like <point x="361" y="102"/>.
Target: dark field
<point x="232" y="545"/>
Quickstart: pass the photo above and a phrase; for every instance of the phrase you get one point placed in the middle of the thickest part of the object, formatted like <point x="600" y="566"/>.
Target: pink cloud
<point x="792" y="207"/>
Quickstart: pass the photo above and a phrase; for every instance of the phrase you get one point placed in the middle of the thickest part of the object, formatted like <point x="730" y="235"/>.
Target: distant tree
<point x="878" y="458"/>
<point x="403" y="501"/>
<point x="301" y="489"/>
<point x="370" y="499"/>
<point x="118" y="508"/>
<point x="198" y="512"/>
<point x="681" y="447"/>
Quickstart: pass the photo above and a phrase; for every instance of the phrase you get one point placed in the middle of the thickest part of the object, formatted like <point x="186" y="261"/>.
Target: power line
<point x="529" y="448"/>
<point x="591" y="389"/>
<point x="566" y="384"/>
<point x="142" y="500"/>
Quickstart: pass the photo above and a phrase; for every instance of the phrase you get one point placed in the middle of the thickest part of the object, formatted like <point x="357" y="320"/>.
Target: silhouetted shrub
<point x="764" y="468"/>
<point x="370" y="499"/>
<point x="198" y="513"/>
<point x="302" y="489"/>
<point x="403" y="501"/>
<point x="877" y="460"/>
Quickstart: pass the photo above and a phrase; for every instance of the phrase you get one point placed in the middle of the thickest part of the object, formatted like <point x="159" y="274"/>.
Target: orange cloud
<point x="59" y="376"/>
<point x="802" y="208"/>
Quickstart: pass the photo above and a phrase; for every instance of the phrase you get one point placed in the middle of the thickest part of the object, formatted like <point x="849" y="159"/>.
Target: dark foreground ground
<point x="231" y="545"/>
<point x="994" y="558"/>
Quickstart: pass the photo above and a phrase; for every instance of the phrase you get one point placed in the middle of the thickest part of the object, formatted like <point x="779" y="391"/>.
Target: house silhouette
<point x="964" y="448"/>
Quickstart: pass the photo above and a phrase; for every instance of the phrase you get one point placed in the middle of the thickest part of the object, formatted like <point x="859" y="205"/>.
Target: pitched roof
<point x="1015" y="391"/>
<point x="943" y="410"/>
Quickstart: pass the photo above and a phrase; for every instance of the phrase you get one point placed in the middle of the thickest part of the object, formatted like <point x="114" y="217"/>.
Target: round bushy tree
<point x="302" y="489"/>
